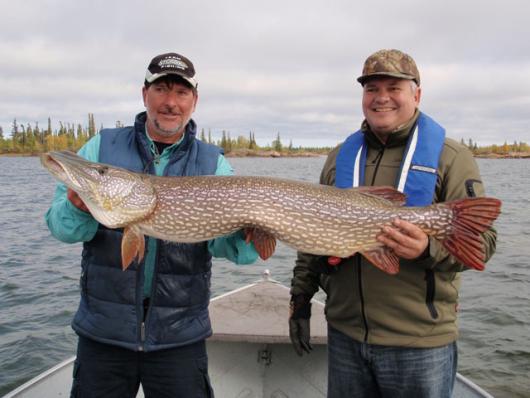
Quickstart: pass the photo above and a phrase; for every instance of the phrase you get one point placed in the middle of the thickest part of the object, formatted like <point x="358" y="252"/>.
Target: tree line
<point x="504" y="149"/>
<point x="33" y="139"/>
<point x="28" y="139"/>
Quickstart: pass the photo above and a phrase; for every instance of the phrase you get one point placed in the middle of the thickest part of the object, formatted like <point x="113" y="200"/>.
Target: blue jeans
<point x="366" y="370"/>
<point x="106" y="371"/>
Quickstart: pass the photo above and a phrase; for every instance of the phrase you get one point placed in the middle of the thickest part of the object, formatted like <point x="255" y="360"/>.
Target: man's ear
<point x="144" y="93"/>
<point x="417" y="96"/>
<point x="196" y="99"/>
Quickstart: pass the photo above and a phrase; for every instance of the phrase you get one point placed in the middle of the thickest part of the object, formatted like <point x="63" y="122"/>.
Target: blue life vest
<point x="111" y="307"/>
<point x="418" y="172"/>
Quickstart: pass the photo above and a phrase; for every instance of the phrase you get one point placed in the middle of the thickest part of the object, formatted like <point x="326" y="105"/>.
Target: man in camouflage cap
<point x="391" y="335"/>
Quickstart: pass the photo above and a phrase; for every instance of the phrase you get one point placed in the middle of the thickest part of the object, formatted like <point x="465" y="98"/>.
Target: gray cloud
<point x="267" y="67"/>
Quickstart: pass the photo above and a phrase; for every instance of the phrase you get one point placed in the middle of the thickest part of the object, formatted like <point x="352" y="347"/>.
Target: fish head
<point x="115" y="197"/>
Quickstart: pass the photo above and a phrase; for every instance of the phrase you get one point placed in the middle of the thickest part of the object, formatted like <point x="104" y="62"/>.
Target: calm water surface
<point x="39" y="276"/>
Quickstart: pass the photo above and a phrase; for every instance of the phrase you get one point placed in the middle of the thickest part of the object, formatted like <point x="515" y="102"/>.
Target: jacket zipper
<point x="140" y="304"/>
<point x="365" y="322"/>
<point x="377" y="162"/>
<point x="146" y="311"/>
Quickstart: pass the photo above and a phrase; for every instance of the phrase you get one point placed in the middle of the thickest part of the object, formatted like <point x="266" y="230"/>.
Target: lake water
<point x="39" y="276"/>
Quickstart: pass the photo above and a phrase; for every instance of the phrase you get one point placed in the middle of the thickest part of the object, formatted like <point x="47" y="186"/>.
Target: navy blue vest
<point x="111" y="308"/>
<point x="418" y="174"/>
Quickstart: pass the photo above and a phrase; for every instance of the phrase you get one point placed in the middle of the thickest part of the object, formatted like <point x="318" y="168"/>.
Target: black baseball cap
<point x="171" y="64"/>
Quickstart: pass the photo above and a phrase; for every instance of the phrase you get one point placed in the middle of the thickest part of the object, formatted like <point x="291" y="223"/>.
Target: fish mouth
<point x="68" y="168"/>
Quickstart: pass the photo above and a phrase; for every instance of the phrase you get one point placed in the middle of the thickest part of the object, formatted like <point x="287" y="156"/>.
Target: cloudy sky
<point x="269" y="67"/>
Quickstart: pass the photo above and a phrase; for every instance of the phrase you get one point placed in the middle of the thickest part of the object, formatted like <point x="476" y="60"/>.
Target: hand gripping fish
<point x="311" y="218"/>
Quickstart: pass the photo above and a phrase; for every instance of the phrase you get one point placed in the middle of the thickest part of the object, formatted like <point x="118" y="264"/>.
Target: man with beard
<point x="147" y="324"/>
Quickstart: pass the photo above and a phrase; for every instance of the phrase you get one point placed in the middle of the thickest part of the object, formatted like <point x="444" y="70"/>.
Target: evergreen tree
<point x="49" y="129"/>
<point x="30" y="139"/>
<point x="91" y="125"/>
<point x="23" y="137"/>
<point x="203" y="137"/>
<point x="4" y="144"/>
<point x="252" y="141"/>
<point x="228" y="143"/>
<point x="79" y="133"/>
<point x="29" y="131"/>
<point x="15" y="136"/>
<point x="223" y="141"/>
<point x="38" y="134"/>
<point x="277" y="143"/>
<point x="62" y="129"/>
<point x="209" y="136"/>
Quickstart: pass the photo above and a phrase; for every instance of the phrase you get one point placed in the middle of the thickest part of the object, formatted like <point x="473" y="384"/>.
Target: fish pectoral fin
<point x="132" y="245"/>
<point x="383" y="258"/>
<point x="249" y="235"/>
<point x="264" y="242"/>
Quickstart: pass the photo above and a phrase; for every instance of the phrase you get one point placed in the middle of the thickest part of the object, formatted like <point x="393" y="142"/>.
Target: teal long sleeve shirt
<point x="69" y="224"/>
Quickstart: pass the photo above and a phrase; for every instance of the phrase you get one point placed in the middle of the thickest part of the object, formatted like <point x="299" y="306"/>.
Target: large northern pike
<point x="311" y="218"/>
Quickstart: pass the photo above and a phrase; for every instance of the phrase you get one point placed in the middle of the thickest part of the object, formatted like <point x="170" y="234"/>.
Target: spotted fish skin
<point x="311" y="218"/>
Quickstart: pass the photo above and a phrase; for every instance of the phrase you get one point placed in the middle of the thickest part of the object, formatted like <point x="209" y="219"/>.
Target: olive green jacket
<point x="418" y="306"/>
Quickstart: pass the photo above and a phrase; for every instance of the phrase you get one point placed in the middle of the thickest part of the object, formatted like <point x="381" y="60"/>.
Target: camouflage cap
<point x="392" y="63"/>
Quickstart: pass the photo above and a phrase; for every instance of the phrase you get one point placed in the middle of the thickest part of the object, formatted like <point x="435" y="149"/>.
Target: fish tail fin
<point x="132" y="246"/>
<point x="471" y="217"/>
<point x="264" y="243"/>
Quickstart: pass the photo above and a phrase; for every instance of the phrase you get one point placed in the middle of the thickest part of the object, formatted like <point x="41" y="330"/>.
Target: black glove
<point x="299" y="332"/>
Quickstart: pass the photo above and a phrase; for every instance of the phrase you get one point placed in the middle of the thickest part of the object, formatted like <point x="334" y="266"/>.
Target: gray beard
<point x="169" y="133"/>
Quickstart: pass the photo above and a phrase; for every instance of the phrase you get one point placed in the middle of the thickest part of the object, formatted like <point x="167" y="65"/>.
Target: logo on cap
<point x="172" y="62"/>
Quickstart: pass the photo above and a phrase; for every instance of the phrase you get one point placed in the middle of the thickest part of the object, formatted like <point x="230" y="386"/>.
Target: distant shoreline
<point x="248" y="153"/>
<point x="232" y="154"/>
<point x="514" y="155"/>
<point x="305" y="154"/>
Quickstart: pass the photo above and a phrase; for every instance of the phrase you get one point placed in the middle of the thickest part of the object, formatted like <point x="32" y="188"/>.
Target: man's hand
<point x="299" y="331"/>
<point x="407" y="240"/>
<point x="74" y="198"/>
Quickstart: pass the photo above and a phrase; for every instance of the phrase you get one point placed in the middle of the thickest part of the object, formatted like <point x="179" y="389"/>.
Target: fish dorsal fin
<point x="383" y="258"/>
<point x="389" y="193"/>
<point x="132" y="246"/>
<point x="264" y="242"/>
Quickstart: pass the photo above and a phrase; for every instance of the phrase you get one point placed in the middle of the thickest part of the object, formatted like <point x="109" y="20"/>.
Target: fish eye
<point x="102" y="170"/>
